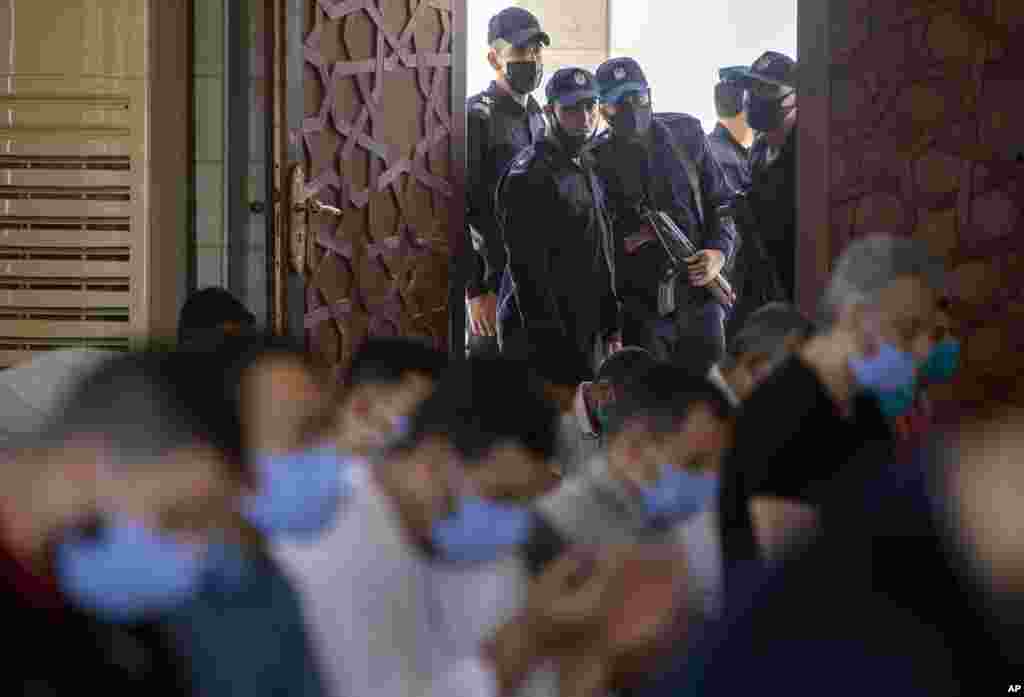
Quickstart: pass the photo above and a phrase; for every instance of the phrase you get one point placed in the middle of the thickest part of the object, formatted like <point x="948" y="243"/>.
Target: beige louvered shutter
<point x="90" y="175"/>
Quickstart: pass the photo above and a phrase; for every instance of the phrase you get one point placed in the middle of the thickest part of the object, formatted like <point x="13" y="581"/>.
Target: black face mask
<point x="572" y="142"/>
<point x="524" y="76"/>
<point x="632" y="122"/>
<point x="765" y="115"/>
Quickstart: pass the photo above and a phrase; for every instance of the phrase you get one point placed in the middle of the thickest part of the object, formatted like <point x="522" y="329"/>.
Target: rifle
<point x="678" y="247"/>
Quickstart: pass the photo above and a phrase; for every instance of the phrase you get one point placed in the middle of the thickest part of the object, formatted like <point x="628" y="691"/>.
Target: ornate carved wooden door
<point x="376" y="135"/>
<point x="912" y="129"/>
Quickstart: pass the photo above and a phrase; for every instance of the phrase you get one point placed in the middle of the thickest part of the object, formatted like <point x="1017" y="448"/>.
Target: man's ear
<point x="494" y="60"/>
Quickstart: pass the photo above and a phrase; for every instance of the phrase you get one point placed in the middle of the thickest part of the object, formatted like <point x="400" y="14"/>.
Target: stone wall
<point x="926" y="103"/>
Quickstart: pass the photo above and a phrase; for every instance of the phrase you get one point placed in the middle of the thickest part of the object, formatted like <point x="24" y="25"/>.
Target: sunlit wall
<point x="681" y="44"/>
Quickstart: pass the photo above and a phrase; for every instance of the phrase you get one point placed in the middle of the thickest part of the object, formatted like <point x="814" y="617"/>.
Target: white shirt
<point x="386" y="621"/>
<point x="704" y="560"/>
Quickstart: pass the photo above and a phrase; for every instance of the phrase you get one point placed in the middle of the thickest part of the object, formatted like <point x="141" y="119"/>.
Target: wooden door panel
<point x="924" y="98"/>
<point x="377" y="146"/>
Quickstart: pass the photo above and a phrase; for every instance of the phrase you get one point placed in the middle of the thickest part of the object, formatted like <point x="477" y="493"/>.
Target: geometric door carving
<point x="926" y="102"/>
<point x="377" y="141"/>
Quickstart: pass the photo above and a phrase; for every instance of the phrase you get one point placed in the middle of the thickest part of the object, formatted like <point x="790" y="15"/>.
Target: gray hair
<point x="871" y="264"/>
<point x="766" y="332"/>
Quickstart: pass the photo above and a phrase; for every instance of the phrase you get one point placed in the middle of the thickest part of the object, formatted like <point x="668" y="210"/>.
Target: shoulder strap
<point x="691" y="173"/>
<point x="607" y="241"/>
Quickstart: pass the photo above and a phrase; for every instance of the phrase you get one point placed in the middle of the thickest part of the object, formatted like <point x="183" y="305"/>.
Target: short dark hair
<point x="696" y="353"/>
<point x="147" y="404"/>
<point x="622" y="367"/>
<point x="228" y="358"/>
<point x="662" y="398"/>
<point x="206" y="310"/>
<point x="482" y="402"/>
<point x="729" y="99"/>
<point x="767" y="330"/>
<point x="386" y="360"/>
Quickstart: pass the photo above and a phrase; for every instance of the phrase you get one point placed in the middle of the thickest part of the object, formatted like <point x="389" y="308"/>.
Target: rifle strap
<point x="691" y="173"/>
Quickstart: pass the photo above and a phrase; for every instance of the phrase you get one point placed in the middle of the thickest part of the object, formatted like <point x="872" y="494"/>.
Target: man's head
<point x="386" y="382"/>
<point x="486" y="435"/>
<point x="212" y="311"/>
<point x="668" y="417"/>
<point x="730" y="100"/>
<point x="516" y="49"/>
<point x="285" y="411"/>
<point x="771" y="84"/>
<point x="572" y="106"/>
<point x="142" y="466"/>
<point x="880" y="308"/>
<point x="767" y="338"/>
<point x="625" y="99"/>
<point x="277" y="391"/>
<point x="617" y="372"/>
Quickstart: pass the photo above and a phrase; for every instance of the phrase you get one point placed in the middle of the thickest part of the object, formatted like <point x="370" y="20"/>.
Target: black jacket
<point x="655" y="173"/>
<point x="553" y="234"/>
<point x="497" y="129"/>
<point x="773" y="204"/>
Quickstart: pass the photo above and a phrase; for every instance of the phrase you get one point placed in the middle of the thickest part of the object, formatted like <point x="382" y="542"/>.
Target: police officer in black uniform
<point x="732" y="138"/>
<point x="754" y="274"/>
<point x="501" y="121"/>
<point x="551" y="210"/>
<point x="771" y="110"/>
<point x="662" y="161"/>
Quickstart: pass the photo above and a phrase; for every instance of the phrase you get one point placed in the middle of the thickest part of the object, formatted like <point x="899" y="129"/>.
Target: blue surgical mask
<point x="301" y="493"/>
<point x="481" y="530"/>
<point x="943" y="362"/>
<point x="129" y="572"/>
<point x="891" y="376"/>
<point x="400" y="426"/>
<point x="896" y="402"/>
<point x="677" y="495"/>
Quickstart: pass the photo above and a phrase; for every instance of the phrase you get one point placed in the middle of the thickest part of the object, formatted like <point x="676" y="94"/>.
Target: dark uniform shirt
<point x="498" y="127"/>
<point x="754" y="275"/>
<point x="634" y="172"/>
<point x="553" y="230"/>
<point x="772" y="200"/>
<point x="733" y="158"/>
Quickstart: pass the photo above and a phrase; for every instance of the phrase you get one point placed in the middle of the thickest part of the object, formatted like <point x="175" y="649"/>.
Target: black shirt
<point x="772" y="200"/>
<point x="792" y="442"/>
<point x="498" y="127"/>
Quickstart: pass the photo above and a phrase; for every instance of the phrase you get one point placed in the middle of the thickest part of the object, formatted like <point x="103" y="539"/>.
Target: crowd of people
<point x="606" y="500"/>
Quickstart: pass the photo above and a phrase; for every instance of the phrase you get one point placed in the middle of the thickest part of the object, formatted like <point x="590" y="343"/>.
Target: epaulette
<point x="481" y="104"/>
<point x="681" y="124"/>
<point x="521" y="162"/>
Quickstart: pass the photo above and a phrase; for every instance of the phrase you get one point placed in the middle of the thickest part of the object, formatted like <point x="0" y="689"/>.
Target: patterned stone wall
<point x="927" y="104"/>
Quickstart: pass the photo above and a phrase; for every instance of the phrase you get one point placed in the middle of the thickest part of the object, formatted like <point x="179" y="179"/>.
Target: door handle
<point x="300" y="206"/>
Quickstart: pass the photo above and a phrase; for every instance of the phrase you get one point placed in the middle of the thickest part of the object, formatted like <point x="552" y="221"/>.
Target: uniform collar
<point x="723" y="133"/>
<point x="507" y="102"/>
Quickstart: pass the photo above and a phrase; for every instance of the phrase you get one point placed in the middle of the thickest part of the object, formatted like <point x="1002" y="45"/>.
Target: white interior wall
<point x="681" y="44"/>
